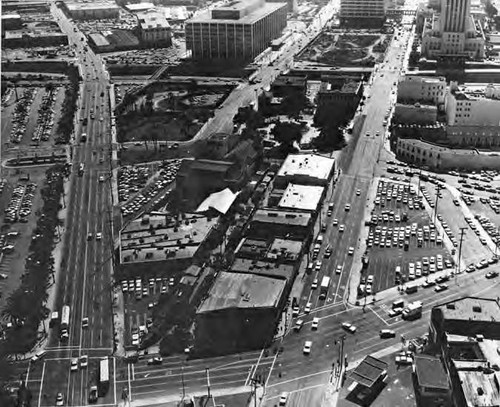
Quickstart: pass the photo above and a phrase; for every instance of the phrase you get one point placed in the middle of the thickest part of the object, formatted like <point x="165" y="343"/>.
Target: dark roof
<point x="430" y="372"/>
<point x="369" y="371"/>
<point x="211" y="165"/>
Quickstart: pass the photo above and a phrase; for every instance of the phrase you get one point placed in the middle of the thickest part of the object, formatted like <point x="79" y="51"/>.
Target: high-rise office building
<point x="362" y="12"/>
<point x="240" y="30"/>
<point x="453" y="32"/>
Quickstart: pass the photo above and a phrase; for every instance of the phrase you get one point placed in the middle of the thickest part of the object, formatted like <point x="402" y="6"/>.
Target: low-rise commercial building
<point x="139" y="7"/>
<point x="302" y="197"/>
<point x="11" y="21"/>
<point x="367" y="380"/>
<point x="238" y="30"/>
<point x="442" y="158"/>
<point x="93" y="10"/>
<point x="417" y="113"/>
<point x="27" y="38"/>
<point x="343" y="91"/>
<point x="273" y="250"/>
<point x="148" y="244"/>
<point x="305" y="169"/>
<point x="272" y="222"/>
<point x="415" y="88"/>
<point x="285" y="85"/>
<point x="153" y="29"/>
<point x="431" y="381"/>
<point x="239" y="313"/>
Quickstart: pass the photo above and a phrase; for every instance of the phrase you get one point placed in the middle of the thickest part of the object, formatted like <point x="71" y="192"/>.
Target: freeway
<point x="84" y="281"/>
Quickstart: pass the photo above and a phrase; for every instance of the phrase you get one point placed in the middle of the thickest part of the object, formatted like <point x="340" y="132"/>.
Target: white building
<point x="302" y="197"/>
<point x="473" y="106"/>
<point x="414" y="88"/>
<point x="307" y="169"/>
<point x="94" y="10"/>
<point x="453" y="32"/>
<point x="154" y="29"/>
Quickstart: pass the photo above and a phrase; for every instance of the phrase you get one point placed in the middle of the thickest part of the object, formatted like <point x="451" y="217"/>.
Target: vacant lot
<point x="348" y="49"/>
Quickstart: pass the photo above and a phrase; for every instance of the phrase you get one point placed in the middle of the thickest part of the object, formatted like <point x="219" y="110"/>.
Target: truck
<point x="93" y="394"/>
<point x="103" y="377"/>
<point x="413" y="311"/>
<point x="325" y="284"/>
<point x="65" y="323"/>
<point x="54" y="318"/>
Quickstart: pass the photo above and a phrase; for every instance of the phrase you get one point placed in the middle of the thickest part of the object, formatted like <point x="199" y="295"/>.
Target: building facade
<point x="453" y="32"/>
<point x="154" y="29"/>
<point x="414" y="88"/>
<point x="362" y="12"/>
<point x="472" y="106"/>
<point x="93" y="11"/>
<point x="236" y="31"/>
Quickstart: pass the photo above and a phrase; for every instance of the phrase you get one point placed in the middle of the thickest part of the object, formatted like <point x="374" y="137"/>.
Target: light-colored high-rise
<point x="453" y="32"/>
<point x="362" y="12"/>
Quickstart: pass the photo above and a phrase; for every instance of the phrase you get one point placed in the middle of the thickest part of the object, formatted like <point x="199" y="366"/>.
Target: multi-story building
<point x="473" y="106"/>
<point x="154" y="29"/>
<point x="415" y="88"/>
<point x="93" y="11"/>
<point x="337" y="91"/>
<point x="453" y="32"/>
<point x="237" y="31"/>
<point x="362" y="12"/>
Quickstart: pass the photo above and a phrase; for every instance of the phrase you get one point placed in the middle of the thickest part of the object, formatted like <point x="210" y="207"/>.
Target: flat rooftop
<point x="480" y="389"/>
<point x="471" y="309"/>
<point x="256" y="15"/>
<point x="263" y="268"/>
<point x="92" y="5"/>
<point x="241" y="290"/>
<point x="277" y="249"/>
<point x="163" y="238"/>
<point x="310" y="165"/>
<point x="302" y="197"/>
<point x="430" y="372"/>
<point x="369" y="371"/>
<point x="282" y="217"/>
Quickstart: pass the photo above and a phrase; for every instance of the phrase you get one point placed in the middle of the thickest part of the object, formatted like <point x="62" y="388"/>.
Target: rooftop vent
<point x="476" y="308"/>
<point x="450" y="306"/>
<point x="480" y="391"/>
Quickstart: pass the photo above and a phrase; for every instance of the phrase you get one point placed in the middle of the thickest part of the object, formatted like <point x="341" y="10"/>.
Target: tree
<point x="287" y="133"/>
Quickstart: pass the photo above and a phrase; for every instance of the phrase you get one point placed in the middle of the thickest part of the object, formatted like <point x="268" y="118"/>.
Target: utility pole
<point x="209" y="396"/>
<point x="438" y="191"/>
<point x="462" y="233"/>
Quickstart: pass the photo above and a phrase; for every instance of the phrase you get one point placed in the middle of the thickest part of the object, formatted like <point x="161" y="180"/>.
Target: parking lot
<point x="402" y="244"/>
<point x="31" y="119"/>
<point x="19" y="201"/>
<point x="138" y="185"/>
<point x="141" y="295"/>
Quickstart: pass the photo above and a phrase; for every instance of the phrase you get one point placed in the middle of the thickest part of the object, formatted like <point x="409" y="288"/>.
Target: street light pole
<point x="462" y="233"/>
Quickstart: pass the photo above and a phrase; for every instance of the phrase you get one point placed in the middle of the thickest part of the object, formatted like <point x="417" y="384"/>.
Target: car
<point x="74" y="364"/>
<point x="59" y="400"/>
<point x="338" y="270"/>
<point x="89" y="236"/>
<point x="84" y="361"/>
<point x="308" y="307"/>
<point x="351" y="251"/>
<point x="315" y="323"/>
<point x="314" y="284"/>
<point x="440" y="287"/>
<point x="37" y="356"/>
<point x="85" y="322"/>
<point x="295" y="311"/>
<point x="349" y="327"/>
<point x="348" y="207"/>
<point x="98" y="236"/>
<point x="335" y="222"/>
<point x="341" y="228"/>
<point x="358" y="192"/>
<point x="283" y="399"/>
<point x="157" y="360"/>
<point x="328" y="252"/>
<point x="101" y="178"/>
<point x="491" y="274"/>
<point x="387" y="333"/>
<point x="428" y="283"/>
<point x="318" y="265"/>
<point x="395" y="312"/>
<point x="306" y="350"/>
<point x="370" y="279"/>
<point x="298" y="325"/>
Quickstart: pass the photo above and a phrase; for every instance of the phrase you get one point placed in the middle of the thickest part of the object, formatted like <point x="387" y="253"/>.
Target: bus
<point x="81" y="169"/>
<point x="65" y="323"/>
<point x="103" y="377"/>
<point x="325" y="284"/>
